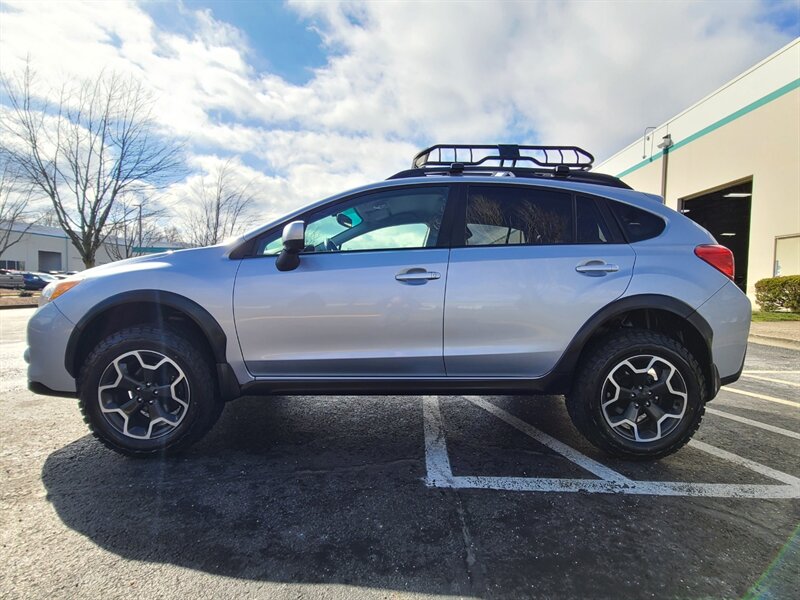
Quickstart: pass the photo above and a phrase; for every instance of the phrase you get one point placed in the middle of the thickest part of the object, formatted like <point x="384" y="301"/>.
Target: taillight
<point x="718" y="257"/>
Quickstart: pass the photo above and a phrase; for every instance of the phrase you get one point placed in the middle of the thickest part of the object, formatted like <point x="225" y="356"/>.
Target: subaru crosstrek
<point x="482" y="269"/>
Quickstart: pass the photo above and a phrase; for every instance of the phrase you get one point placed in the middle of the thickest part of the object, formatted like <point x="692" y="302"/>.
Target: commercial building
<point x="731" y="162"/>
<point x="47" y="249"/>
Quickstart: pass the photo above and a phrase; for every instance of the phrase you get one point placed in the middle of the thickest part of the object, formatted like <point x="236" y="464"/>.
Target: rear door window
<point x="509" y="215"/>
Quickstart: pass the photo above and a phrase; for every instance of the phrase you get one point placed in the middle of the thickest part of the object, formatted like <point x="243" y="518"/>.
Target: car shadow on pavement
<point x="282" y="490"/>
<point x="331" y="491"/>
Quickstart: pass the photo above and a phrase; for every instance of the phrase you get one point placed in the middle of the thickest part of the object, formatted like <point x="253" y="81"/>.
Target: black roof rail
<point x="481" y="154"/>
<point x="576" y="176"/>
<point x="547" y="162"/>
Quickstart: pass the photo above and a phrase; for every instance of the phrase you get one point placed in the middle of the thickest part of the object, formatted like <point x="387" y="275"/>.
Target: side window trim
<point x="458" y="215"/>
<point x="608" y="219"/>
<point x="617" y="234"/>
<point x="250" y="247"/>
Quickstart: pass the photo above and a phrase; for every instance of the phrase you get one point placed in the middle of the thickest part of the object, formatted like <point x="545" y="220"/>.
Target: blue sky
<point x="309" y="98"/>
<point x="283" y="42"/>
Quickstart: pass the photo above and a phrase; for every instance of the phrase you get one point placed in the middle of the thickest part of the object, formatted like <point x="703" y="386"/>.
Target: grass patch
<point x="773" y="317"/>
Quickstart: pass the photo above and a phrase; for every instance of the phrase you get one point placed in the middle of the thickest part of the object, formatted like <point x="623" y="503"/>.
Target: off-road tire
<point x="584" y="401"/>
<point x="203" y="409"/>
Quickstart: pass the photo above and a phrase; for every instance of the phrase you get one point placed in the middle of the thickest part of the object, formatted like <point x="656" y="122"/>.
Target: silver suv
<point x="483" y="269"/>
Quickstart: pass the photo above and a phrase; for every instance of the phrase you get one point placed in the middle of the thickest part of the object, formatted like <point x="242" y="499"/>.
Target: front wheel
<point x="147" y="391"/>
<point x="638" y="394"/>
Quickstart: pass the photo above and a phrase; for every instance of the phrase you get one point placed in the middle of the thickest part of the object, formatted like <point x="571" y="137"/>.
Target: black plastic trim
<point x="244" y="249"/>
<point x="562" y="372"/>
<point x="728" y="379"/>
<point x="229" y="388"/>
<point x="201" y="317"/>
<point x="396" y="387"/>
<point x="43" y="390"/>
<point x="611" y="222"/>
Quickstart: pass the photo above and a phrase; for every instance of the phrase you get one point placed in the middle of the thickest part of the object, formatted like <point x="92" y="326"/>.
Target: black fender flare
<point x="200" y="316"/>
<point x="569" y="360"/>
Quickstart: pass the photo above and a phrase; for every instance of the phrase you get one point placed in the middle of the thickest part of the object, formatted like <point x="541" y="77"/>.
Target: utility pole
<point x="140" y="229"/>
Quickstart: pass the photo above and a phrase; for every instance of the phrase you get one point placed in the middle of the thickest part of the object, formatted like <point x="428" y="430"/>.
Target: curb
<point x="773" y="341"/>
<point x="11" y="306"/>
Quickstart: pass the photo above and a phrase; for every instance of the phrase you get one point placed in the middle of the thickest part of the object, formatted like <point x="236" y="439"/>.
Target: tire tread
<point x="176" y="342"/>
<point x="584" y="419"/>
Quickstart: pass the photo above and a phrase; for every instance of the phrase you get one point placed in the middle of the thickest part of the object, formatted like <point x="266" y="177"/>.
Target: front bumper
<point x="48" y="333"/>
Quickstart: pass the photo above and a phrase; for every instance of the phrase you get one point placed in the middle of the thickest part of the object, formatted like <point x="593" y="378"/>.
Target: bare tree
<point x="14" y="199"/>
<point x="47" y="218"/>
<point x="221" y="207"/>
<point x="171" y="235"/>
<point x="134" y="228"/>
<point x="87" y="150"/>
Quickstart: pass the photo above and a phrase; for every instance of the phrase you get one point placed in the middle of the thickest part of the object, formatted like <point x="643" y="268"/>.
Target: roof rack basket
<point x="503" y="156"/>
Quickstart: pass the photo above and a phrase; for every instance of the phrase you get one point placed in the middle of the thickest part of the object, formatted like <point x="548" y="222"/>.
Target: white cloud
<point x="400" y="75"/>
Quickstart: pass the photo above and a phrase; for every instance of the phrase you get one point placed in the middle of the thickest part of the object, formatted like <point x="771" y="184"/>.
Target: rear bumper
<point x="48" y="333"/>
<point x="728" y="313"/>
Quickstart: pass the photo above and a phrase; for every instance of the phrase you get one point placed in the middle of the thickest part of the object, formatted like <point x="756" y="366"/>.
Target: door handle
<point x="596" y="266"/>
<point x="416" y="275"/>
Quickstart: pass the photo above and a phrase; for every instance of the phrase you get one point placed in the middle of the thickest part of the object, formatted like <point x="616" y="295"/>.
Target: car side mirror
<point x="294" y="240"/>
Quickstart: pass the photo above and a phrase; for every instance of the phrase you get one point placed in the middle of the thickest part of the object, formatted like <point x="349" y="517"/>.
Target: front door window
<point x="396" y="219"/>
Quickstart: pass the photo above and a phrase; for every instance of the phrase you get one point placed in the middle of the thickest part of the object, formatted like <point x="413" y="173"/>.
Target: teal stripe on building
<point x="714" y="126"/>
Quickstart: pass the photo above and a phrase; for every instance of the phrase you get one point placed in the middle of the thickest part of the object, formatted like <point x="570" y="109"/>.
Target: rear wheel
<point x="638" y="394"/>
<point x="146" y="391"/>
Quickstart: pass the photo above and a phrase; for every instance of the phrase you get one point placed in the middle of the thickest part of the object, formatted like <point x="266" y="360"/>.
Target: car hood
<point x="161" y="260"/>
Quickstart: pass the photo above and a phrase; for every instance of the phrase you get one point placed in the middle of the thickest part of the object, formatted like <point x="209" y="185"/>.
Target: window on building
<point x="12" y="265"/>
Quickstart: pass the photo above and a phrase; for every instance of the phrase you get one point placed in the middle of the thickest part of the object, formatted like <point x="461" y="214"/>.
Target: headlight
<point x="56" y="288"/>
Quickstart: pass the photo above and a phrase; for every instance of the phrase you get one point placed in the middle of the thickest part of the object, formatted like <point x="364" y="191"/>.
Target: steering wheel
<point x="330" y="245"/>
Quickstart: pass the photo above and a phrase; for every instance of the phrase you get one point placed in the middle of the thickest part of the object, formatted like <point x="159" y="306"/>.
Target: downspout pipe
<point x="665" y="145"/>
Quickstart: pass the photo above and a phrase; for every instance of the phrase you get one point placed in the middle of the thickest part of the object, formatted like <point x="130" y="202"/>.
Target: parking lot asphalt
<point x="385" y="497"/>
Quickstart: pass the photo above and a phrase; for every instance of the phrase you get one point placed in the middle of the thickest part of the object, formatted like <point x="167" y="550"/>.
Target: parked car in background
<point x="11" y="279"/>
<point x="37" y="281"/>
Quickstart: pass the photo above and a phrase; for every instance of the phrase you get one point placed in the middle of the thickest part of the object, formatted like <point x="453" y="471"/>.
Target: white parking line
<point x="759" y="424"/>
<point x="747" y="463"/>
<point x="771" y="372"/>
<point x="583" y="461"/>
<point x="761" y="397"/>
<point x="771" y="380"/>
<point x="437" y="460"/>
<point x="440" y="472"/>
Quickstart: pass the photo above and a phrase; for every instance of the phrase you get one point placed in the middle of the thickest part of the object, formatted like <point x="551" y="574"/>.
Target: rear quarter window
<point x="637" y="224"/>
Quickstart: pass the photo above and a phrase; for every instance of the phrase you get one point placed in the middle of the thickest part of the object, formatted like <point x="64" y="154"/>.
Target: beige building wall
<point x="54" y="240"/>
<point x="758" y="140"/>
